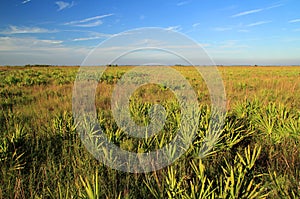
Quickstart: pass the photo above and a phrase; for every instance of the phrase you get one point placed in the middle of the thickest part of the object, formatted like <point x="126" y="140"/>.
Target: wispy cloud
<point x="182" y="3"/>
<point x="88" y="19"/>
<point x="25" y="30"/>
<point x="240" y="27"/>
<point x="174" y="28"/>
<point x="258" y="23"/>
<point x="64" y="5"/>
<point x="294" y="21"/>
<point x="243" y="30"/>
<point x="92" y="21"/>
<point x="92" y="24"/>
<point x="275" y="6"/>
<point x="20" y="51"/>
<point x="93" y="37"/>
<point x="257" y="10"/>
<point x="85" y="38"/>
<point x="15" y="43"/>
<point x="196" y="25"/>
<point x="25" y="1"/>
<point x="247" y="12"/>
<point x="231" y="44"/>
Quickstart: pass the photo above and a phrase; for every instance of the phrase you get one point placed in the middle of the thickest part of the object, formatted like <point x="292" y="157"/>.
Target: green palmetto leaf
<point x="92" y="191"/>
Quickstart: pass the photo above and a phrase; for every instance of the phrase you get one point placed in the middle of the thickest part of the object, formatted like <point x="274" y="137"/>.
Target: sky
<point x="231" y="32"/>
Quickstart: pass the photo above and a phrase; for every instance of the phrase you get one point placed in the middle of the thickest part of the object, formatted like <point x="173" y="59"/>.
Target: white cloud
<point x="232" y="44"/>
<point x="17" y="44"/>
<point x="275" y="6"/>
<point x="25" y="30"/>
<point x="85" y="38"/>
<point x="21" y="51"/>
<point x="240" y="27"/>
<point x="257" y="10"/>
<point x="243" y="30"/>
<point x="294" y="21"/>
<point x="182" y="3"/>
<point x="25" y="1"/>
<point x="196" y="25"/>
<point x="88" y="19"/>
<point x="94" y="21"/>
<point x="258" y="23"/>
<point x="87" y="25"/>
<point x="93" y="37"/>
<point x="174" y="28"/>
<point x="247" y="12"/>
<point x="63" y="5"/>
<point x="159" y="53"/>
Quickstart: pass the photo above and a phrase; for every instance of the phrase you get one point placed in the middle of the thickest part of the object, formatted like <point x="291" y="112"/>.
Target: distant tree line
<point x="112" y="65"/>
<point x="37" y="65"/>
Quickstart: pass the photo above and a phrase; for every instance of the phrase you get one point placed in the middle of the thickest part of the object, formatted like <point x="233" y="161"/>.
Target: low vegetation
<point x="256" y="156"/>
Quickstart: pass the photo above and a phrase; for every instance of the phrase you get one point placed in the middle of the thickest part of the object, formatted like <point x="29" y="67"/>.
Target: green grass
<point x="257" y="154"/>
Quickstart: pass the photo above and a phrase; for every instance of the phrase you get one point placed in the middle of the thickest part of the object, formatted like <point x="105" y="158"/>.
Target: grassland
<point x="257" y="154"/>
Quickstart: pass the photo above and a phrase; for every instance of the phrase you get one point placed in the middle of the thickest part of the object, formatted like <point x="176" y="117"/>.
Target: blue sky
<point x="232" y="32"/>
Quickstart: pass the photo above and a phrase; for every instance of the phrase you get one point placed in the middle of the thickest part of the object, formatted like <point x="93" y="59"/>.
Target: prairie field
<point x="257" y="154"/>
